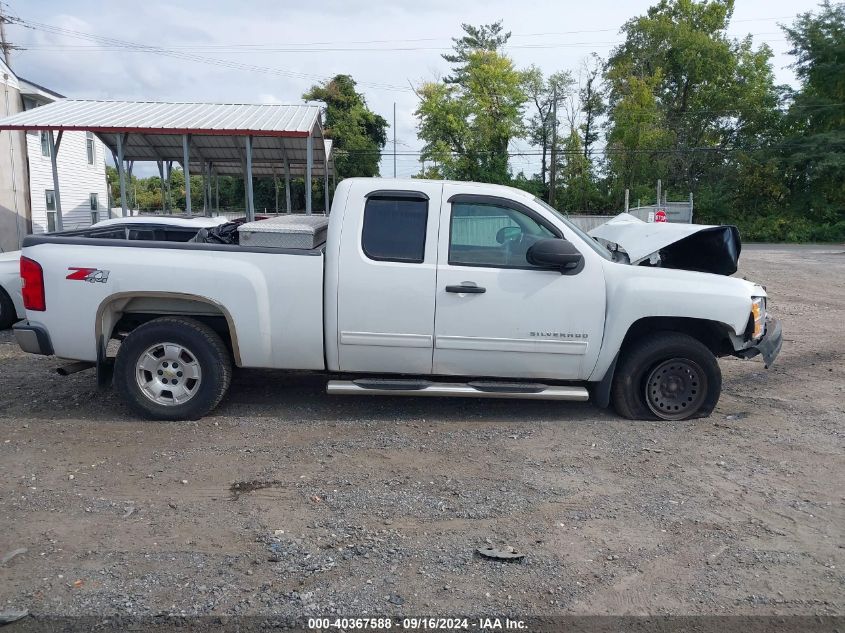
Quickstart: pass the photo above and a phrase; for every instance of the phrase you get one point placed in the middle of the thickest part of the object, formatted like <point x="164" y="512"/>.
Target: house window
<point x="89" y="144"/>
<point x="95" y="208"/>
<point x="45" y="143"/>
<point x="50" y="201"/>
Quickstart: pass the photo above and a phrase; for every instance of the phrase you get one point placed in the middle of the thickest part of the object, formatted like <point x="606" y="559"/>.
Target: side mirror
<point x="508" y="233"/>
<point x="556" y="253"/>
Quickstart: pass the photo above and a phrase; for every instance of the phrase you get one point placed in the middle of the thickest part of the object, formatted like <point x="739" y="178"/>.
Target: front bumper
<point x="769" y="345"/>
<point x="33" y="339"/>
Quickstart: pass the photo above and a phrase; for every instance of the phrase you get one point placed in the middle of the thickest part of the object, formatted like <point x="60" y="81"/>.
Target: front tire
<point x="173" y="368"/>
<point x="666" y="376"/>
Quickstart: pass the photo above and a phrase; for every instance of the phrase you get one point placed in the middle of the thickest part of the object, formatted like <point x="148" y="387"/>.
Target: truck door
<point x="386" y="279"/>
<point x="497" y="315"/>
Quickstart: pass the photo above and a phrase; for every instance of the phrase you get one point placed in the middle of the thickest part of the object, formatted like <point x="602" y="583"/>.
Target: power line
<point x="334" y="43"/>
<point x="262" y="49"/>
<point x="134" y="46"/>
<point x="106" y="43"/>
<point x="605" y="151"/>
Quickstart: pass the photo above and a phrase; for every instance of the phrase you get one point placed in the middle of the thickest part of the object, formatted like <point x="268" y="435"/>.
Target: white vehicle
<point x="421" y="287"/>
<point x="138" y="227"/>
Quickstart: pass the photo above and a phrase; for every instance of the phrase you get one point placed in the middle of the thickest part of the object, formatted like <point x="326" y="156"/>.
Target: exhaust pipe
<point x="74" y="368"/>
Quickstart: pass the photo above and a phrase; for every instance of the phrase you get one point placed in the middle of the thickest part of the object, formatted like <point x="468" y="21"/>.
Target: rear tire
<point x="8" y="314"/>
<point x="173" y="368"/>
<point x="666" y="376"/>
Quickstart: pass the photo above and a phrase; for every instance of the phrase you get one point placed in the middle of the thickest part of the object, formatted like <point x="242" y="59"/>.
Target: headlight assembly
<point x="758" y="312"/>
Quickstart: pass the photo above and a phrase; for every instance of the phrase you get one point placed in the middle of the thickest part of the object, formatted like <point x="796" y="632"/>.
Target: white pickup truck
<point x="420" y="287"/>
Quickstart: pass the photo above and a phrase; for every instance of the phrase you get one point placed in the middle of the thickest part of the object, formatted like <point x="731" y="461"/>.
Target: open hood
<point x="699" y="247"/>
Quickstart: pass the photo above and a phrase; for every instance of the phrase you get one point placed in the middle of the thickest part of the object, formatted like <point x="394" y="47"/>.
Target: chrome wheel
<point x="168" y="374"/>
<point x="675" y="389"/>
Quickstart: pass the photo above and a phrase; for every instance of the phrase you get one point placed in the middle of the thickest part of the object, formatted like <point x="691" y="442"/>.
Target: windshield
<point x="591" y="242"/>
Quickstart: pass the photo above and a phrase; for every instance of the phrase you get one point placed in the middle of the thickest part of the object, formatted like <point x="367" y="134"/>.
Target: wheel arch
<point x="124" y="311"/>
<point x="715" y="335"/>
<point x="10" y="301"/>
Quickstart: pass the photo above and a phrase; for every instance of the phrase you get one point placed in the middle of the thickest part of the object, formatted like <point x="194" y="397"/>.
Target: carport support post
<point x="168" y="168"/>
<point x="57" y="198"/>
<point x="326" y="184"/>
<point x="250" y="195"/>
<point x="287" y="181"/>
<point x="275" y="186"/>
<point x="160" y="165"/>
<point x="309" y="164"/>
<point x="186" y="162"/>
<point x="627" y="198"/>
<point x="121" y="172"/>
<point x="204" y="168"/>
<point x="206" y="188"/>
<point x="210" y="188"/>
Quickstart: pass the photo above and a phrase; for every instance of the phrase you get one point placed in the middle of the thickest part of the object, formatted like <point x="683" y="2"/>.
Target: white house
<point x="81" y="167"/>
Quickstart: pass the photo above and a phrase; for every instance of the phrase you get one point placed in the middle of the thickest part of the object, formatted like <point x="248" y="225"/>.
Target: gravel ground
<point x="287" y="501"/>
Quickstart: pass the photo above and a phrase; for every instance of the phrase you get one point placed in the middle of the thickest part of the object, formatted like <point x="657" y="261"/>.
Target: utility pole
<point x="394" y="139"/>
<point x="553" y="166"/>
<point x="7" y="48"/>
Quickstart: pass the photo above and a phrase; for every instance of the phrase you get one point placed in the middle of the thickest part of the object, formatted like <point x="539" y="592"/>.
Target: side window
<point x="492" y="236"/>
<point x="89" y="147"/>
<point x="395" y="228"/>
<point x="45" y="143"/>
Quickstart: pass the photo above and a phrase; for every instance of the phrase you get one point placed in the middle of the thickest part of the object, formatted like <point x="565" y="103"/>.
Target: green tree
<point x="541" y="92"/>
<point x="637" y="134"/>
<point x="358" y="133"/>
<point x="577" y="189"/>
<point x="488" y="37"/>
<point x="592" y="104"/>
<point x="814" y="149"/>
<point x="710" y="92"/>
<point x="467" y="124"/>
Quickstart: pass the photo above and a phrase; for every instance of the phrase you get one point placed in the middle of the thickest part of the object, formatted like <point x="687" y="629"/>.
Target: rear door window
<point x="395" y="228"/>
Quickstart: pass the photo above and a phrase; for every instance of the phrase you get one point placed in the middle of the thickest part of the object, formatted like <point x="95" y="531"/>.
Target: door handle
<point x="466" y="288"/>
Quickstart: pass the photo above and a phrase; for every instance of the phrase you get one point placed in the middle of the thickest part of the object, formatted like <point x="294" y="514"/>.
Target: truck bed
<point x="276" y="293"/>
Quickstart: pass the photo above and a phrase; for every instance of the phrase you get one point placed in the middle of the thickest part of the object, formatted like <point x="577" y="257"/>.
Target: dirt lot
<point x="376" y="506"/>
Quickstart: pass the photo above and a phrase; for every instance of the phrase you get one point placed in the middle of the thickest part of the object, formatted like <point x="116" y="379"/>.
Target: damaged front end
<point x="768" y="346"/>
<point x="696" y="247"/>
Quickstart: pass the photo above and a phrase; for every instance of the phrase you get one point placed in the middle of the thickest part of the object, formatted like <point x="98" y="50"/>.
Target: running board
<point x="398" y="387"/>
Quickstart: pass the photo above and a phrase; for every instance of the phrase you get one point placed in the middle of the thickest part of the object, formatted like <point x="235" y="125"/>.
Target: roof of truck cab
<point x="404" y="184"/>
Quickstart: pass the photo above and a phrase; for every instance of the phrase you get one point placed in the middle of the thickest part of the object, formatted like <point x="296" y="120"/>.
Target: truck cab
<point x="435" y="278"/>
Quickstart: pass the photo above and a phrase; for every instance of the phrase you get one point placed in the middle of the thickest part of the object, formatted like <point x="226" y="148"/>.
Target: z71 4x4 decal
<point x="91" y="275"/>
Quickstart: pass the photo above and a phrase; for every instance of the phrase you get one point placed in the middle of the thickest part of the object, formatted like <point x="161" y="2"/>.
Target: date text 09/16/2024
<point x="417" y="623"/>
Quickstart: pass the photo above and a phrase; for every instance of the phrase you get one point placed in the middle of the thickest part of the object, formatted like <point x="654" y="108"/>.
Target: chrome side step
<point x="399" y="387"/>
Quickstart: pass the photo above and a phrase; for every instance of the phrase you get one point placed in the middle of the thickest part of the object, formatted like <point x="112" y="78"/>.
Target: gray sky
<point x="263" y="51"/>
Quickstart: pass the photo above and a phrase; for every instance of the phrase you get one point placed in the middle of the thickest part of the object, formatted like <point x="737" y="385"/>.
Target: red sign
<point x="660" y="216"/>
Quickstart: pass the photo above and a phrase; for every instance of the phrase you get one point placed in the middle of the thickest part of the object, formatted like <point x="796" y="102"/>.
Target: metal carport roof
<point x="155" y="130"/>
<point x="216" y="135"/>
